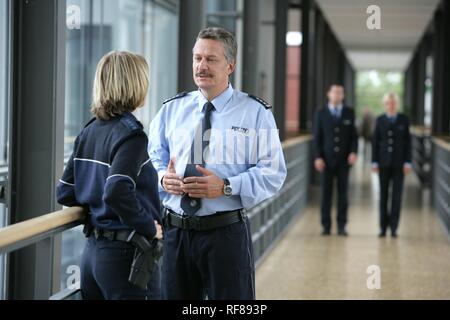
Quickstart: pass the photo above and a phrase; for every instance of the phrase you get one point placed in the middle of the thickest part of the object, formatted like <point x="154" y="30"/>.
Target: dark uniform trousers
<point x="217" y="264"/>
<point x="340" y="173"/>
<point x="390" y="177"/>
<point x="105" y="267"/>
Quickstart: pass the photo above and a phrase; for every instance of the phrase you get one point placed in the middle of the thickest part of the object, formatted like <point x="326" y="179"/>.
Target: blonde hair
<point x="390" y="95"/>
<point x="120" y="84"/>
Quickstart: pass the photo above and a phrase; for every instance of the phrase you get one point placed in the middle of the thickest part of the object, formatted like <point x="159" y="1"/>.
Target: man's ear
<point x="231" y="68"/>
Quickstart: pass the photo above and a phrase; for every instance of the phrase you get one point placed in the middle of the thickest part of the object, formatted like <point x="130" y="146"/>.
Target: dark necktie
<point x="336" y="114"/>
<point x="191" y="205"/>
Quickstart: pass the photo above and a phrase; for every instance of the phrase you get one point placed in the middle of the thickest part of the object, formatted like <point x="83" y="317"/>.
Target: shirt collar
<point x="338" y="107"/>
<point x="391" y="117"/>
<point x="132" y="116"/>
<point x="219" y="102"/>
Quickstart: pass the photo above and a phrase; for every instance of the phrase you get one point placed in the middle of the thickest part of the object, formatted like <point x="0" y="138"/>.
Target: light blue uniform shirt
<point x="244" y="147"/>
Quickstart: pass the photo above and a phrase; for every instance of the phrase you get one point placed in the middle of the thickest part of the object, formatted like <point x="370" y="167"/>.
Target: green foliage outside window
<point x="372" y="85"/>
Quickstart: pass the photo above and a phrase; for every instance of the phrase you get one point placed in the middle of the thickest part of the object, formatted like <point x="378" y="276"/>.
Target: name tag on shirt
<point x="239" y="129"/>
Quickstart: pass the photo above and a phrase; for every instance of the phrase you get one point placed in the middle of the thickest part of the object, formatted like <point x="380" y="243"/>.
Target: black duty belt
<point x="217" y="220"/>
<point x="113" y="235"/>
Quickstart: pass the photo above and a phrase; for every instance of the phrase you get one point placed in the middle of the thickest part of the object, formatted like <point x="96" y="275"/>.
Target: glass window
<point x="161" y="51"/>
<point x="147" y="27"/>
<point x="428" y="96"/>
<point x="4" y="123"/>
<point x="222" y="13"/>
<point x="227" y="14"/>
<point x="78" y="51"/>
<point x="266" y="51"/>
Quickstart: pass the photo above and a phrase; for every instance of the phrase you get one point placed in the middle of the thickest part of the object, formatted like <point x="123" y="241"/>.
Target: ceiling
<point x="403" y="23"/>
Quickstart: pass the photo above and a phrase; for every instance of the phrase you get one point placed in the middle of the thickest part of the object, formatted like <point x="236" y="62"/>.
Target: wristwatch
<point x="228" y="192"/>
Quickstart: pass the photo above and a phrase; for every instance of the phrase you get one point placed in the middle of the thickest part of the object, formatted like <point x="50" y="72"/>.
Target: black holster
<point x="146" y="257"/>
<point x="88" y="228"/>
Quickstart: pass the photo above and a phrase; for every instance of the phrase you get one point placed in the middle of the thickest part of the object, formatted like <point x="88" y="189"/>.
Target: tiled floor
<point x="416" y="265"/>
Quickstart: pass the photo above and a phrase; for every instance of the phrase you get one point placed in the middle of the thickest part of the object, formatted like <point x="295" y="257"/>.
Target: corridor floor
<point x="306" y="265"/>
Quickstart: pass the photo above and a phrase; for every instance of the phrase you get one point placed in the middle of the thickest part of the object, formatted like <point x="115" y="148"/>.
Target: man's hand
<point x="159" y="232"/>
<point x="319" y="164"/>
<point x="406" y="169"/>
<point x="171" y="182"/>
<point x="209" y="186"/>
<point x="352" y="158"/>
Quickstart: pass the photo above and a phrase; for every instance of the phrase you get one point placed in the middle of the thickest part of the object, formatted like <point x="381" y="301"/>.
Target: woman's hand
<point x="159" y="232"/>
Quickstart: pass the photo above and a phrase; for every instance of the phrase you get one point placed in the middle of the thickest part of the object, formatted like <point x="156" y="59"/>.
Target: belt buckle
<point x="108" y="234"/>
<point x="193" y="222"/>
<point x="166" y="212"/>
<point x="96" y="233"/>
<point x="113" y="235"/>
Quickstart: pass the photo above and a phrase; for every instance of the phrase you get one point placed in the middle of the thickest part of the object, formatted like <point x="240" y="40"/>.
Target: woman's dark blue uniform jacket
<point x="111" y="174"/>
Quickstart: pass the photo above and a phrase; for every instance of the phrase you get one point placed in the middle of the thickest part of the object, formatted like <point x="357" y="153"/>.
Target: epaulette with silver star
<point x="264" y="103"/>
<point x="180" y="95"/>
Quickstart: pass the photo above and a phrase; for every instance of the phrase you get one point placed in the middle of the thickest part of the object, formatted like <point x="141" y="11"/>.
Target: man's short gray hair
<point x="226" y="37"/>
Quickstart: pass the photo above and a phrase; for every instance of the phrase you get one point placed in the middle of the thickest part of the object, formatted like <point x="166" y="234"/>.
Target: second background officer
<point x="391" y="157"/>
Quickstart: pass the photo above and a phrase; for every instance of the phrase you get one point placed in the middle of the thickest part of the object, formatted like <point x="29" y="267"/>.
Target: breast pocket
<point x="400" y="132"/>
<point x="238" y="148"/>
<point x="347" y="122"/>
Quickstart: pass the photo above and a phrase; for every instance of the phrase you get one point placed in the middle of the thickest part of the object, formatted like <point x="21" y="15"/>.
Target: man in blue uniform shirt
<point x="217" y="153"/>
<point x="391" y="158"/>
<point x="336" y="145"/>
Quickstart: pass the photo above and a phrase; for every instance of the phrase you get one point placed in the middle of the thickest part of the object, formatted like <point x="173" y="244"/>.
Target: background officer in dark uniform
<point x="336" y="146"/>
<point x="391" y="158"/>
<point x="111" y="174"/>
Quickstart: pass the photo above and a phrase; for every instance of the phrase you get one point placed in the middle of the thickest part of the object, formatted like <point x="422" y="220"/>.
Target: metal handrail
<point x="420" y="131"/>
<point x="443" y="142"/>
<point x="296" y="140"/>
<point x="3" y="169"/>
<point x="24" y="233"/>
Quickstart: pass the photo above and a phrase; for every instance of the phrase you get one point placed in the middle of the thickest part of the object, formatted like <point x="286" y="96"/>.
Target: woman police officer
<point x="110" y="174"/>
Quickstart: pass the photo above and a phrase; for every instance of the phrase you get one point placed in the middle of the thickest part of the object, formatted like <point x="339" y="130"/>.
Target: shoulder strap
<point x="180" y="95"/>
<point x="261" y="101"/>
<point x="131" y="122"/>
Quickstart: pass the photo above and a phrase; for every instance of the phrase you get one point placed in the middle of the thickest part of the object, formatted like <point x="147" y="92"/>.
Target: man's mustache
<point x="202" y="74"/>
